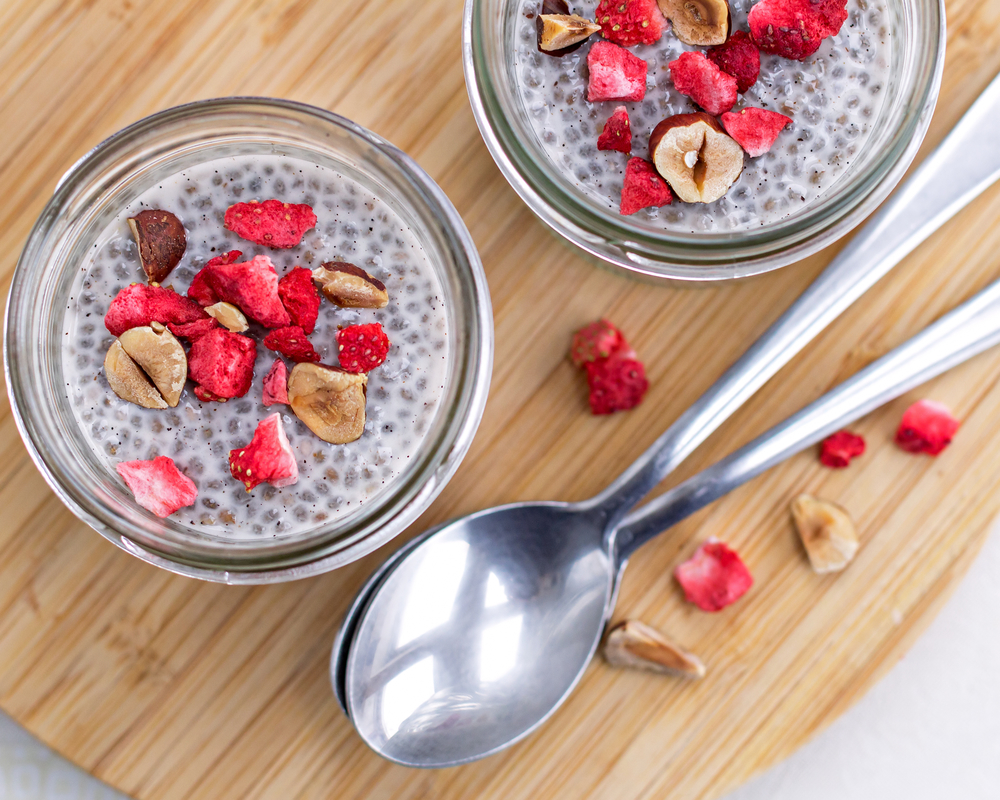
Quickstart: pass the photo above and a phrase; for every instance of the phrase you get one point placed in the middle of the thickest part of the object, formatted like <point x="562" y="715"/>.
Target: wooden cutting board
<point x="168" y="688"/>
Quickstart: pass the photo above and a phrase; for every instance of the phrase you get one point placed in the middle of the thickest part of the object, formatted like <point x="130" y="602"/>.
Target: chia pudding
<point x="833" y="98"/>
<point x="403" y="394"/>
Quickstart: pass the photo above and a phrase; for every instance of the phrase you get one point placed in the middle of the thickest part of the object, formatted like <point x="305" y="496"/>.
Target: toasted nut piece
<point x="160" y="356"/>
<point x="330" y="401"/>
<point x="161" y="240"/>
<point x="229" y="316"/>
<point x="350" y="286"/>
<point x="826" y="531"/>
<point x="695" y="156"/>
<point x="698" y="22"/>
<point x="635" y="644"/>
<point x="128" y="381"/>
<point x="557" y="31"/>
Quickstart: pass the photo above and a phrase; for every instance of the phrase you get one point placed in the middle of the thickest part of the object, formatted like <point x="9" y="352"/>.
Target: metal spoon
<point x="452" y="593"/>
<point x="430" y="691"/>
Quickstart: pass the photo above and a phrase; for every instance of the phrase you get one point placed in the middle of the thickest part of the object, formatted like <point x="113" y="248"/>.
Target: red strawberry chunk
<point x="630" y="22"/>
<point x="616" y="384"/>
<point x="595" y="341"/>
<point x="838" y="450"/>
<point x="300" y="297"/>
<point x="927" y="427"/>
<point x="192" y="330"/>
<point x="253" y="287"/>
<point x="268" y="458"/>
<point x="714" y="577"/>
<point x="158" y="485"/>
<point x="221" y="362"/>
<point x="755" y="129"/>
<point x="201" y="290"/>
<point x="643" y="188"/>
<point x="615" y="74"/>
<point x="701" y="80"/>
<point x="276" y="384"/>
<point x="292" y="342"/>
<point x="617" y="133"/>
<point x="362" y="347"/>
<point x="795" y="28"/>
<point x="139" y="304"/>
<point x="271" y="223"/>
<point x="738" y="57"/>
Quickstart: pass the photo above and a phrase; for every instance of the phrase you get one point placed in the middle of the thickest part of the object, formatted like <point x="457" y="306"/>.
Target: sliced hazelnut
<point x="826" y="532"/>
<point x="634" y="644"/>
<point x="161" y="357"/>
<point x="350" y="286"/>
<point x="330" y="401"/>
<point x="695" y="156"/>
<point x="229" y="316"/>
<point x="698" y="22"/>
<point x="128" y="381"/>
<point x="556" y="31"/>
<point x="161" y="240"/>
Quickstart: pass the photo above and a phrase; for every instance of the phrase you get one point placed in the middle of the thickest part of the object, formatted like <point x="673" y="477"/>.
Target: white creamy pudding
<point x="833" y="98"/>
<point x="403" y="394"/>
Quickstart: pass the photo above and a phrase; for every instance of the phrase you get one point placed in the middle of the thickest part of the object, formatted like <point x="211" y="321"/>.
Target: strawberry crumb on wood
<point x="926" y="427"/>
<point x="714" y="577"/>
<point x="839" y="448"/>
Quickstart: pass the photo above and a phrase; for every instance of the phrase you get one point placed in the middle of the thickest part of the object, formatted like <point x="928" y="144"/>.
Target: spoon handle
<point x="963" y="165"/>
<point x="964" y="332"/>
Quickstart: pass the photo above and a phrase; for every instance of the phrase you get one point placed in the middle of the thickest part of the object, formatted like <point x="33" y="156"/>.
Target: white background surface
<point x="929" y="731"/>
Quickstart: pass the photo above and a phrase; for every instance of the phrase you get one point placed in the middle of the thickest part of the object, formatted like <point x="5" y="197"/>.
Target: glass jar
<point x="917" y="38"/>
<point x="117" y="171"/>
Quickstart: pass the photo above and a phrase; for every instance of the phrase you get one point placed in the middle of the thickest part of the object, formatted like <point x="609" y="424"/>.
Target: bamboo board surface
<point x="169" y="688"/>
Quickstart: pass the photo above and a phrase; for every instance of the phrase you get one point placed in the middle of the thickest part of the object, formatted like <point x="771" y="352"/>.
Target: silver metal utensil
<point x="482" y="629"/>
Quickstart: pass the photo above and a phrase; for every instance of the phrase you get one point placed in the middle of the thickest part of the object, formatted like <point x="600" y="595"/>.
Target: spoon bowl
<point x="482" y="631"/>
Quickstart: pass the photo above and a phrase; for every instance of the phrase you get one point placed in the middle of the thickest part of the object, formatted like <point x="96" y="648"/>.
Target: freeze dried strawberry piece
<point x="271" y="223"/>
<point x="139" y="304"/>
<point x="300" y="298"/>
<point x="714" y="577"/>
<point x="630" y="22"/>
<point x="927" y="427"/>
<point x="615" y="74"/>
<point x="616" y="384"/>
<point x="221" y="363"/>
<point x="252" y="286"/>
<point x="158" y="485"/>
<point x="267" y="459"/>
<point x="701" y="80"/>
<point x="617" y="133"/>
<point x="644" y="187"/>
<point x="362" y="347"/>
<point x="276" y="384"/>
<point x="795" y="28"/>
<point x="755" y="129"/>
<point x="738" y="57"/>
<point x="201" y="290"/>
<point x="595" y="341"/>
<point x="192" y="330"/>
<point x="292" y="342"/>
<point x="838" y="450"/>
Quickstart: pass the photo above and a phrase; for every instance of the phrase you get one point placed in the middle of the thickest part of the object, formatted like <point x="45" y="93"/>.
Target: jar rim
<point x="625" y="243"/>
<point x="28" y="363"/>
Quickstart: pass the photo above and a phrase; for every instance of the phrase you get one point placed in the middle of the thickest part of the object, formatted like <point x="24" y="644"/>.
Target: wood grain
<point x="168" y="688"/>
